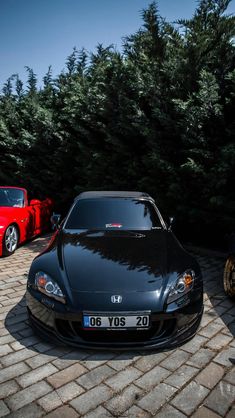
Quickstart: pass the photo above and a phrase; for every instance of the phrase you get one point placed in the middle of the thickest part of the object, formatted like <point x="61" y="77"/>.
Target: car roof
<point x="121" y="194"/>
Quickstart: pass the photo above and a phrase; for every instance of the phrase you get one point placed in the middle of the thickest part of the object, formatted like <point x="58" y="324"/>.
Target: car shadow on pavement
<point x="18" y="326"/>
<point x="223" y="307"/>
<point x="217" y="304"/>
<point x="36" y="244"/>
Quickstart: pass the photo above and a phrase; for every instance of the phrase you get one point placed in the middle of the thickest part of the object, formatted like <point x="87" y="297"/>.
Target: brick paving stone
<point x="190" y="398"/>
<point x="123" y="378"/>
<point x="8" y="388"/>
<point x="169" y="412"/>
<point x="8" y="338"/>
<point x="193" y="345"/>
<point x="5" y="349"/>
<point x="152" y="378"/>
<point x="204" y="412"/>
<point x="158" y="397"/>
<point x="227" y="318"/>
<point x="210" y="330"/>
<point x="97" y="359"/>
<point x="230" y="331"/>
<point x="224" y="356"/>
<point x="99" y="412"/>
<point x="91" y="399"/>
<point x="228" y="303"/>
<point x="16" y="319"/>
<point x="67" y="375"/>
<point x="230" y="377"/>
<point x="5" y="314"/>
<point x="17" y="356"/>
<point x="69" y="358"/>
<point x="220" y="309"/>
<point x="18" y="327"/>
<point x="120" y="403"/>
<point x="231" y="413"/>
<point x="29" y="411"/>
<point x="174" y="360"/>
<point x="10" y="372"/>
<point x="95" y="376"/>
<point x="181" y="376"/>
<point x="148" y="361"/>
<point x="36" y="375"/>
<point x="38" y="360"/>
<point x="11" y="301"/>
<point x="63" y="412"/>
<point x="221" y="398"/>
<point x="136" y="412"/>
<point x="219" y="341"/>
<point x="50" y="401"/>
<point x="210" y="376"/>
<point x="123" y="360"/>
<point x="3" y="331"/>
<point x="27" y="332"/>
<point x="42" y="347"/>
<point x="3" y="409"/>
<point x="207" y="318"/>
<point x="24" y="342"/>
<point x="28" y="395"/>
<point x="201" y="358"/>
<point x="69" y="391"/>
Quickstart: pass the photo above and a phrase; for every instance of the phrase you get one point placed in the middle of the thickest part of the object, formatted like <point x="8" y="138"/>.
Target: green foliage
<point x="158" y="117"/>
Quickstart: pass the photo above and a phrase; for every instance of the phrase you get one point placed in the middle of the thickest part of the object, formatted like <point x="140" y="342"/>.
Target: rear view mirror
<point x="55" y="220"/>
<point x="171" y="221"/>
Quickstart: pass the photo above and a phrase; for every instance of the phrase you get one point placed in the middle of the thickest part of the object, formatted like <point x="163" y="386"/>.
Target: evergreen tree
<point x="158" y="117"/>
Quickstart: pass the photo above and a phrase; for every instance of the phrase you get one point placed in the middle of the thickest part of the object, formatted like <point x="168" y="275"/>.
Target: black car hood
<point x="118" y="261"/>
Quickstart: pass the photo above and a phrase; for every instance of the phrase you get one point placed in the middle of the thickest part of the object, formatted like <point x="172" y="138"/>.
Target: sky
<point x="39" y="33"/>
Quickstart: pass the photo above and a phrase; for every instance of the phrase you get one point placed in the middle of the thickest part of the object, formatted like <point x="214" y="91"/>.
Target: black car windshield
<point x="113" y="213"/>
<point x="11" y="197"/>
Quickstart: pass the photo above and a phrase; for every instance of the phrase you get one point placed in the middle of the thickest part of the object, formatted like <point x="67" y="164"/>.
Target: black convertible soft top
<point x="99" y="194"/>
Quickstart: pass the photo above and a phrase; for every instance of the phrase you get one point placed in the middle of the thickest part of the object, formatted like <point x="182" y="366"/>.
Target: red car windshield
<point x="113" y="213"/>
<point x="11" y="197"/>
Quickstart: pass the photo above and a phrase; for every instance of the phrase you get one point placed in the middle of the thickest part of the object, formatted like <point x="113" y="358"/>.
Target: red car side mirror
<point x="34" y="202"/>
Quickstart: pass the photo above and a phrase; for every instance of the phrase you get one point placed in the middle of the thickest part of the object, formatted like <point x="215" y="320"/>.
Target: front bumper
<point x="167" y="329"/>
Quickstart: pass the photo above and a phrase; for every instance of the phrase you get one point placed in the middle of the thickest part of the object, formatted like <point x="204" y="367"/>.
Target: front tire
<point x="10" y="240"/>
<point x="229" y="276"/>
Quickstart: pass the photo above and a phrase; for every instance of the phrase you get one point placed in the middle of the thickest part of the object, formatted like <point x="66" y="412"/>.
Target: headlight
<point x="48" y="286"/>
<point x="183" y="285"/>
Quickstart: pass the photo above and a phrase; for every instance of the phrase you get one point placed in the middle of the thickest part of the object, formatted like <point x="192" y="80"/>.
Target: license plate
<point x="107" y="322"/>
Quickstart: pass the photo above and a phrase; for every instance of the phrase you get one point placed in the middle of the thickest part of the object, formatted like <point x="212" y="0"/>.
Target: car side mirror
<point x="171" y="222"/>
<point x="34" y="202"/>
<point x="55" y="220"/>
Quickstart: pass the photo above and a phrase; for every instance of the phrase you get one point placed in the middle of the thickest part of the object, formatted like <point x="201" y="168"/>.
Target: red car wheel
<point x="10" y="240"/>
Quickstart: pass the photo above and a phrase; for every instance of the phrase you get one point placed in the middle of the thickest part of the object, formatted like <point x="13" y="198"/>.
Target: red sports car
<point x="21" y="219"/>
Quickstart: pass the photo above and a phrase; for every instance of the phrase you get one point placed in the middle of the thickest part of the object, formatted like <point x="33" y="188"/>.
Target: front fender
<point x="4" y="222"/>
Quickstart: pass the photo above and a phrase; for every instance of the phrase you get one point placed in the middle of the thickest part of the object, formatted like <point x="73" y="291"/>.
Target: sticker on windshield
<point x="114" y="225"/>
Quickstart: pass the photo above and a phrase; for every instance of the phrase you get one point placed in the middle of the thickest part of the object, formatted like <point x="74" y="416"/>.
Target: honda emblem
<point x="116" y="299"/>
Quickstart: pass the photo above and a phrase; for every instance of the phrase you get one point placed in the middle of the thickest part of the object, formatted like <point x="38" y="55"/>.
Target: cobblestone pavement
<point x="39" y="379"/>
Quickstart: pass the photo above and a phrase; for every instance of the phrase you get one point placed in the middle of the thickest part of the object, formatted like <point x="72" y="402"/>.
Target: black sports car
<point x="115" y="276"/>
